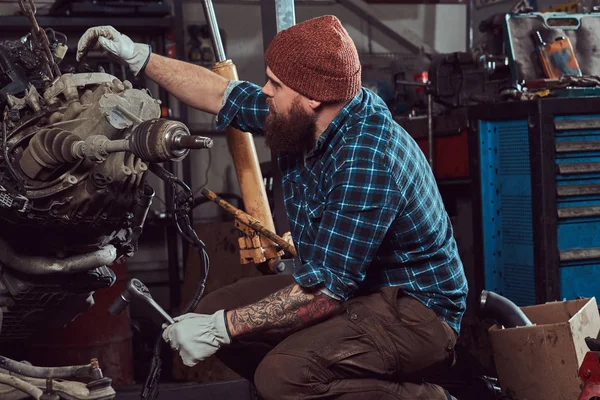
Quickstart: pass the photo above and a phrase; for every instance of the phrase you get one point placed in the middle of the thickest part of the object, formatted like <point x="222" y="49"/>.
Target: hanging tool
<point x="245" y="158"/>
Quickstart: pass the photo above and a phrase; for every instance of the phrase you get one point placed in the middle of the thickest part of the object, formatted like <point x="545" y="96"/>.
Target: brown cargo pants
<point x="379" y="346"/>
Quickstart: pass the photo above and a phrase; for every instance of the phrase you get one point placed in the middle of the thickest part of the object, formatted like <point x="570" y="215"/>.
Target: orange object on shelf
<point x="557" y="58"/>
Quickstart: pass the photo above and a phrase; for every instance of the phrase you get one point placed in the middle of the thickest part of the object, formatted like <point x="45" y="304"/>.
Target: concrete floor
<point x="232" y="390"/>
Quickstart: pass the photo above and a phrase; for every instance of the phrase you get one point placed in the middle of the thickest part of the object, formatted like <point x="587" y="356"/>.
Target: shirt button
<point x="353" y="316"/>
<point x="309" y="280"/>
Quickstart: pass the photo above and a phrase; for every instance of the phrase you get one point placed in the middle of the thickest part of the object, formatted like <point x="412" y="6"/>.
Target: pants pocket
<point x="373" y="327"/>
<point x="423" y="349"/>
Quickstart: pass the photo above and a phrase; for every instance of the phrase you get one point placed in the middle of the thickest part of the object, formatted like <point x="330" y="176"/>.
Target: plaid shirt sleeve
<point x="244" y="107"/>
<point x="362" y="202"/>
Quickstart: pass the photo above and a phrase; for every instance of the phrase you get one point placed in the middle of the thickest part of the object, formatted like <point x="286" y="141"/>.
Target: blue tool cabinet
<point x="536" y="168"/>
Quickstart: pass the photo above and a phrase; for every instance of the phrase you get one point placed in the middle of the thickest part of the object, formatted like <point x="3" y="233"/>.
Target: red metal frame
<point x="589" y="372"/>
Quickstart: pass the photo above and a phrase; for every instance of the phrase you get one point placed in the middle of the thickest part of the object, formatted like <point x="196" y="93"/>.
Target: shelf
<point x="19" y="23"/>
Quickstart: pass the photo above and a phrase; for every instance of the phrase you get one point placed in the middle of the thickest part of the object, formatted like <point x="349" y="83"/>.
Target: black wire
<point x="183" y="201"/>
<point x="7" y="161"/>
<point x="205" y="174"/>
<point x="63" y="36"/>
<point x="51" y="34"/>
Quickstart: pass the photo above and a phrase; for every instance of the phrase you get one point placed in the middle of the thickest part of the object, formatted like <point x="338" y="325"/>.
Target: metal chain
<point x="40" y="39"/>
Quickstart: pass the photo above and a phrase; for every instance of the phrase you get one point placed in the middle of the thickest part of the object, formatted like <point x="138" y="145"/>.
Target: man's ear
<point x="314" y="104"/>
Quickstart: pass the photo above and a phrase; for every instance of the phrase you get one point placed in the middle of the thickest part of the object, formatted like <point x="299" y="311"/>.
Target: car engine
<point x="75" y="152"/>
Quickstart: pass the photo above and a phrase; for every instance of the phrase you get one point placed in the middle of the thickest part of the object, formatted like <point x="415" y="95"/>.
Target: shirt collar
<point x="335" y="125"/>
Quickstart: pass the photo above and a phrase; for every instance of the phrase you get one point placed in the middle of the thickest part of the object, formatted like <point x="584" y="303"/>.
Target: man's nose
<point x="266" y="89"/>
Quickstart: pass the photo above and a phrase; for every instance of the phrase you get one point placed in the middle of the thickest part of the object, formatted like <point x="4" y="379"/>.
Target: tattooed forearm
<point x="284" y="311"/>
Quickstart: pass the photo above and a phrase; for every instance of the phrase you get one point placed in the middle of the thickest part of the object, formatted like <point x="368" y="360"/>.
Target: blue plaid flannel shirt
<point x="363" y="206"/>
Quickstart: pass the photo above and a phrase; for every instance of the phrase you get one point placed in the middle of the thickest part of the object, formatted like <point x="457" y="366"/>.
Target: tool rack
<point x="536" y="167"/>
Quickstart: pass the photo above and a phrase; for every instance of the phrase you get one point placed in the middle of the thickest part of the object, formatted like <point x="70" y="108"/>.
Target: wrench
<point x="137" y="290"/>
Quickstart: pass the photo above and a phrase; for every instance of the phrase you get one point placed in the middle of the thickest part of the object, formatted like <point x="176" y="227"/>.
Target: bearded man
<point x="376" y="306"/>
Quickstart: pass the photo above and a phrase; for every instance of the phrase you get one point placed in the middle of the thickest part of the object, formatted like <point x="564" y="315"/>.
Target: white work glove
<point x="120" y="46"/>
<point x="197" y="336"/>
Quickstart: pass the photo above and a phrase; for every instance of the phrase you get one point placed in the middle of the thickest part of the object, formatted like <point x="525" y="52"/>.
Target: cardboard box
<point x="542" y="361"/>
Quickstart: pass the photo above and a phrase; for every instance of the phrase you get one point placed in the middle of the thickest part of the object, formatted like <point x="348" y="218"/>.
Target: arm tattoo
<point x="284" y="311"/>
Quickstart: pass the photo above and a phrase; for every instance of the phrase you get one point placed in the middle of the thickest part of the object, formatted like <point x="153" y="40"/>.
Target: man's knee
<point x="284" y="376"/>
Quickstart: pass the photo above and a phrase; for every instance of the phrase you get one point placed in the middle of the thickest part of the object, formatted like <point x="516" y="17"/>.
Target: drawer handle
<point x="574" y="124"/>
<point x="573" y="147"/>
<point x="580" y="254"/>
<point x="579" y="212"/>
<point x="578" y="168"/>
<point x="577" y="190"/>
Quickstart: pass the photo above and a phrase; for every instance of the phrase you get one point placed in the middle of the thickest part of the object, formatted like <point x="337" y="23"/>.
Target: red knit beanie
<point x="317" y="58"/>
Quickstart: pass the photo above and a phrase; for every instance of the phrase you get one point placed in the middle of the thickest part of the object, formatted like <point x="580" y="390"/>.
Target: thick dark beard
<point x="292" y="134"/>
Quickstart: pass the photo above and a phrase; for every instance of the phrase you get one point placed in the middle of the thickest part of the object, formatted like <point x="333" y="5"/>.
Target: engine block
<point x="74" y="156"/>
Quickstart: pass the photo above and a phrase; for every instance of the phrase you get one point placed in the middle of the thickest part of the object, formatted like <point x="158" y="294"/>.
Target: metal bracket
<point x="286" y="266"/>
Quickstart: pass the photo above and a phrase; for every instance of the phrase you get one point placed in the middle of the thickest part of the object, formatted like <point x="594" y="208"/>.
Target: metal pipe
<point x="74" y="371"/>
<point x="48" y="265"/>
<point x="412" y="83"/>
<point x="115" y="146"/>
<point x="21" y="385"/>
<point x="493" y="305"/>
<point x="213" y="25"/>
<point x="469" y="38"/>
